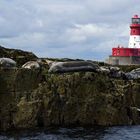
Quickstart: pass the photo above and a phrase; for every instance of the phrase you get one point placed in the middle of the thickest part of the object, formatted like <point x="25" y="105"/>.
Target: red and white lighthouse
<point x="134" y="41"/>
<point x="128" y="55"/>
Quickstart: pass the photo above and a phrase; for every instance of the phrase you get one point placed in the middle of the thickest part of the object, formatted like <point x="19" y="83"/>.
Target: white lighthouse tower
<point x="134" y="41"/>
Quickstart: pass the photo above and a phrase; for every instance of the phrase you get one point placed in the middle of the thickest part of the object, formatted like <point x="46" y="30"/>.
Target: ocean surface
<point x="78" y="133"/>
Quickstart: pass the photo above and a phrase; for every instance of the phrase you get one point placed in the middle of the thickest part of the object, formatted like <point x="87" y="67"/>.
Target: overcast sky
<point x="86" y="29"/>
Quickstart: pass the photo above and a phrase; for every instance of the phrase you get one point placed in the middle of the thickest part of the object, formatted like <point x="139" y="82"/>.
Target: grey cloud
<point x="62" y="28"/>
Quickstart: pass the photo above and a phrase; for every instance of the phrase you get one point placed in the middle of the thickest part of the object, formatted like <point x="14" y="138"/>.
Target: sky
<point x="84" y="29"/>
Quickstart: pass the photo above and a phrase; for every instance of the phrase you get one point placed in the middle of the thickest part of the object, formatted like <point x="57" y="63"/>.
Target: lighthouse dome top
<point x="135" y="20"/>
<point x="135" y="16"/>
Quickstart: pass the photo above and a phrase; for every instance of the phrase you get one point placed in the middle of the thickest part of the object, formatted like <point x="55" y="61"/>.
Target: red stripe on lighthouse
<point x="135" y="29"/>
<point x="135" y="26"/>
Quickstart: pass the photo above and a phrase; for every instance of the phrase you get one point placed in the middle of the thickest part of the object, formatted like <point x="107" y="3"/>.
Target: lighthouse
<point x="134" y="41"/>
<point x="129" y="55"/>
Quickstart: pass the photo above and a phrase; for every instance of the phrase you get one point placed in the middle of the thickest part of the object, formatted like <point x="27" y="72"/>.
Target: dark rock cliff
<point x="34" y="98"/>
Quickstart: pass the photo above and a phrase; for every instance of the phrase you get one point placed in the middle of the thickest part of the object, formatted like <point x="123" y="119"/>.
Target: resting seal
<point x="73" y="66"/>
<point x="134" y="74"/>
<point x="7" y="63"/>
<point x="31" y="65"/>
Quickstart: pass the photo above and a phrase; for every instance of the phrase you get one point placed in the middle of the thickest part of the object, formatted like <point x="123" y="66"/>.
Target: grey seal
<point x="7" y="63"/>
<point x="113" y="72"/>
<point x="73" y="66"/>
<point x="134" y="74"/>
<point x="31" y="65"/>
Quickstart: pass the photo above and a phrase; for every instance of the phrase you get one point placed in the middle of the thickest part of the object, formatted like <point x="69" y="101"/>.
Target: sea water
<point x="78" y="133"/>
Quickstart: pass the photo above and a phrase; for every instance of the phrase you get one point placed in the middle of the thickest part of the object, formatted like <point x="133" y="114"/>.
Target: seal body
<point x="7" y="63"/>
<point x="134" y="74"/>
<point x="31" y="65"/>
<point x="73" y="66"/>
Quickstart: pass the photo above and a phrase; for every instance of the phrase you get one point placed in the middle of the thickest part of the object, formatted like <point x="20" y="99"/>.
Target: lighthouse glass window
<point x="136" y="20"/>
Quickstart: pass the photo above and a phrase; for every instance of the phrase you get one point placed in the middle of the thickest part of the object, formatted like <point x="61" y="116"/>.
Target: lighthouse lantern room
<point x="128" y="55"/>
<point x="134" y="41"/>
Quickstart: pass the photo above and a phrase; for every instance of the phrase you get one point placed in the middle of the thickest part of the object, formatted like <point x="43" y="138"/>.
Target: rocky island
<point x="31" y="96"/>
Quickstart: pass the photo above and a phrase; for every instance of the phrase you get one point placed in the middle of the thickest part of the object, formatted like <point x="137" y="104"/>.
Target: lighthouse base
<point x="124" y="60"/>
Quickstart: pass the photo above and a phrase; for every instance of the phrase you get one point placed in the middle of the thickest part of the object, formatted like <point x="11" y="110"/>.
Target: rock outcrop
<point x="31" y="98"/>
<point x="19" y="56"/>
